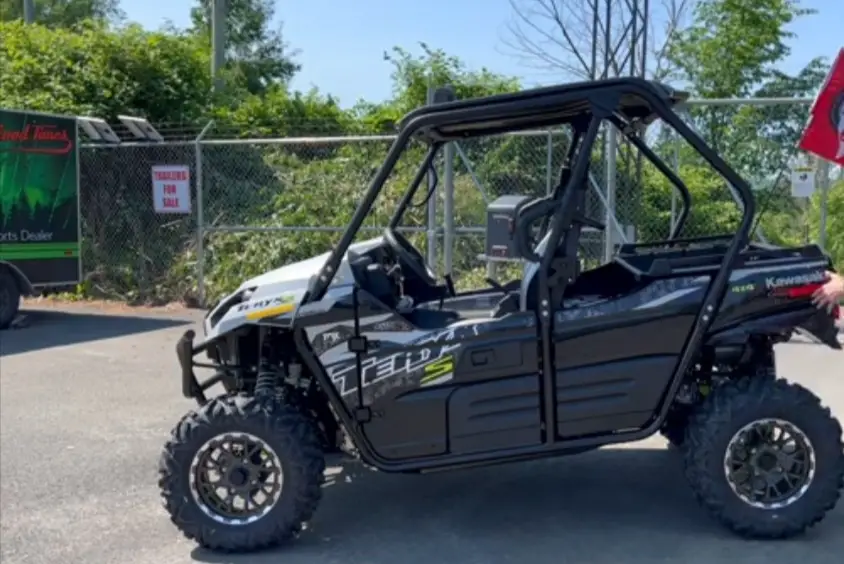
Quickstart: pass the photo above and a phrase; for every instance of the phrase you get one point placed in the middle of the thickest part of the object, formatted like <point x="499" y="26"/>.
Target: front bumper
<point x="185" y="352"/>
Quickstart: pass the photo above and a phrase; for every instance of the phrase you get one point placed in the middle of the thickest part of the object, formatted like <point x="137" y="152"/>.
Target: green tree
<point x="733" y="45"/>
<point x="834" y="221"/>
<point x="763" y="139"/>
<point x="412" y="75"/>
<point x="97" y="71"/>
<point x="256" y="53"/>
<point x="63" y="13"/>
<point x="93" y="70"/>
<point x="732" y="50"/>
<point x="321" y="183"/>
<point x="281" y="113"/>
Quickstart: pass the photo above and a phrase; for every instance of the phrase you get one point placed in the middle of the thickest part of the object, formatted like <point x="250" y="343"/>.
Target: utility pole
<point x="218" y="42"/>
<point x="28" y="11"/>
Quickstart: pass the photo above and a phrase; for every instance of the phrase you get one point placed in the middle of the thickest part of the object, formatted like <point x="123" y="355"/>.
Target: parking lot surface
<point x="87" y="400"/>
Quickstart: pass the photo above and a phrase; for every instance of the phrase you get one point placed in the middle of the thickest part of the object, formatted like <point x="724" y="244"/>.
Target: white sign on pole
<point x="171" y="188"/>
<point x="802" y="181"/>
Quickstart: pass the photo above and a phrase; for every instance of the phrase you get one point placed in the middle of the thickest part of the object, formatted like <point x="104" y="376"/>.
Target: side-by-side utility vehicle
<point x="364" y="350"/>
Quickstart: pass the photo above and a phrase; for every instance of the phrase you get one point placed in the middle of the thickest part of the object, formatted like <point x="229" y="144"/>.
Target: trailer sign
<point x="171" y="188"/>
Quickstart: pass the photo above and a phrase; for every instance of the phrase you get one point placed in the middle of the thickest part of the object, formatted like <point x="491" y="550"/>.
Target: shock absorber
<point x="267" y="379"/>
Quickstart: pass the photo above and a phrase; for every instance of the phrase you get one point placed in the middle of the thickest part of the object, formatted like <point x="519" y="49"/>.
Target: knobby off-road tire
<point x="674" y="428"/>
<point x="10" y="298"/>
<point x="284" y="430"/>
<point x="731" y="408"/>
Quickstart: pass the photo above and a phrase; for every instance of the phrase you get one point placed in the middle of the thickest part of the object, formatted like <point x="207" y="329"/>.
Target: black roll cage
<point x="556" y="194"/>
<point x="637" y="101"/>
<point x="603" y="100"/>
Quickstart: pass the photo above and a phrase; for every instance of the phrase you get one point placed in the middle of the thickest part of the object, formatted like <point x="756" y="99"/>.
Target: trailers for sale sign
<point x="824" y="134"/>
<point x="171" y="188"/>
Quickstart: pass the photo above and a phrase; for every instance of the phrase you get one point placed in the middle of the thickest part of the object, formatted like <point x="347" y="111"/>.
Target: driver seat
<point x="565" y="265"/>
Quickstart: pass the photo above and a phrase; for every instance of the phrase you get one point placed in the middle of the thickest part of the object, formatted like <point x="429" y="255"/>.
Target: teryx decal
<point x="432" y="363"/>
<point x="376" y="369"/>
<point x="266" y="303"/>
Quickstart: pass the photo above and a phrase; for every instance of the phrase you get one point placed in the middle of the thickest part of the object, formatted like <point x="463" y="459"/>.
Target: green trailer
<point x="39" y="206"/>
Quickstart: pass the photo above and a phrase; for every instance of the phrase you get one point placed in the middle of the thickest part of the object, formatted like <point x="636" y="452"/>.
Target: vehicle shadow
<point x="613" y="505"/>
<point x="45" y="329"/>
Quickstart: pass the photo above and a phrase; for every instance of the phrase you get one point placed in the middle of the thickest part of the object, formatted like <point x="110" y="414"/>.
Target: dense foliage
<point x="257" y="54"/>
<point x="90" y="70"/>
<point x="95" y="67"/>
<point x="63" y="13"/>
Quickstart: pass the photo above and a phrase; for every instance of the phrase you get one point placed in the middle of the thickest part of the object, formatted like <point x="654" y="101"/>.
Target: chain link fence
<point x="130" y="252"/>
<point x="258" y="204"/>
<point x="759" y="139"/>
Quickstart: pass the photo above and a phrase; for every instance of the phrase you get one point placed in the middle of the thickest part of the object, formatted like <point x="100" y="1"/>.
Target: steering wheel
<point x="409" y="256"/>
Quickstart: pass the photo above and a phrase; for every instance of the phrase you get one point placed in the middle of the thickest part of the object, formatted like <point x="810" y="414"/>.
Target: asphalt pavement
<point x="87" y="400"/>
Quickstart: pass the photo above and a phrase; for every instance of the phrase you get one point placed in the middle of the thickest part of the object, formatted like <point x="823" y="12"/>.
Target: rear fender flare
<point x="779" y="324"/>
<point x="782" y="325"/>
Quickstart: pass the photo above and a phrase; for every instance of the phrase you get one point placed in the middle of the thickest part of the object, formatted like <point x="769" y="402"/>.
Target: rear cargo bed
<point x="673" y="259"/>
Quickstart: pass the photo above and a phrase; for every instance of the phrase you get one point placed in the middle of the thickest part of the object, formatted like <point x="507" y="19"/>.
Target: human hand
<point x="827" y="296"/>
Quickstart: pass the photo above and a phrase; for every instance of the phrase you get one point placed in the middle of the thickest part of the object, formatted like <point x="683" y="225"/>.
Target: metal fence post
<point x="549" y="163"/>
<point x="432" y="205"/>
<point x="200" y="218"/>
<point x="612" y="166"/>
<point x="448" y="207"/>
<point x="823" y="177"/>
<point x="676" y="165"/>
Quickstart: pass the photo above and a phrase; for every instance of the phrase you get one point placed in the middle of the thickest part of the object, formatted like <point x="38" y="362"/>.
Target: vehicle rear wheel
<point x="765" y="458"/>
<point x="10" y="298"/>
<point x="674" y="427"/>
<point x="241" y="473"/>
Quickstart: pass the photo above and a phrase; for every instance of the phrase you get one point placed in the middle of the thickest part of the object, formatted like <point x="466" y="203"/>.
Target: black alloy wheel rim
<point x="236" y="478"/>
<point x="769" y="463"/>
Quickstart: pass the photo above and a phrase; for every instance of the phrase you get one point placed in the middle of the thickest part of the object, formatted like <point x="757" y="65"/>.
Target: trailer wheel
<point x="10" y="298"/>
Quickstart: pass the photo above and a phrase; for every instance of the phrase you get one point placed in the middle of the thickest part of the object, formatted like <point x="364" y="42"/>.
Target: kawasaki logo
<point x="795" y="280"/>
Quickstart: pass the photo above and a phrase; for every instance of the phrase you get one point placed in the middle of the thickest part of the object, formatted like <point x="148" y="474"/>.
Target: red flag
<point x="824" y="134"/>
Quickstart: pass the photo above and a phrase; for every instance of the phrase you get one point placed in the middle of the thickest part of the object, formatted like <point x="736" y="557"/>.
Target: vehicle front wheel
<point x="765" y="458"/>
<point x="241" y="473"/>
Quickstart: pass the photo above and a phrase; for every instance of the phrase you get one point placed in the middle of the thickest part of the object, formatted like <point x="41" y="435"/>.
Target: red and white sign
<point x="824" y="134"/>
<point x="171" y="188"/>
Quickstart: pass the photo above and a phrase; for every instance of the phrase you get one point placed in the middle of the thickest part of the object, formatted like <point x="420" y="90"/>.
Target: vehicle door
<point x="466" y="385"/>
